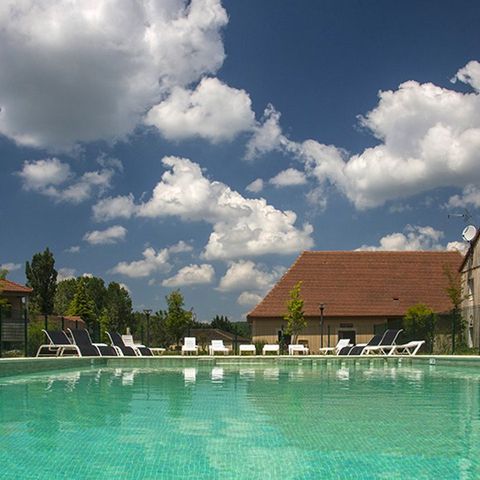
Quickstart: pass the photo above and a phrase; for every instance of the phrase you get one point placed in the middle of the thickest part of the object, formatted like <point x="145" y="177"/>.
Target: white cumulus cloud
<point x="53" y="178"/>
<point x="288" y="177"/>
<point x="80" y="71"/>
<point x="180" y="247"/>
<point x="151" y="263"/>
<point x="470" y="196"/>
<point x="429" y="137"/>
<point x="191" y="275"/>
<point x="411" y="239"/>
<point x="255" y="187"/>
<point x="10" y="266"/>
<point x="267" y="135"/>
<point x="108" y="236"/>
<point x="249" y="299"/>
<point x="213" y="111"/>
<point x="245" y="274"/>
<point x="65" y="274"/>
<point x="39" y="175"/>
<point x="114" y="207"/>
<point x="241" y="226"/>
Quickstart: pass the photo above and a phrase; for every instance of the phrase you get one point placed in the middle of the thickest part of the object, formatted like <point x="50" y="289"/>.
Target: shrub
<point x="419" y="324"/>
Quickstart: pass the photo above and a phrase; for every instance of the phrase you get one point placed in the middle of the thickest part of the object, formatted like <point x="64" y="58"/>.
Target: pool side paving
<point x="19" y="366"/>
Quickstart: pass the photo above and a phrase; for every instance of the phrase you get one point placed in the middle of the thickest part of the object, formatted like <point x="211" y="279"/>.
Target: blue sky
<point x="202" y="145"/>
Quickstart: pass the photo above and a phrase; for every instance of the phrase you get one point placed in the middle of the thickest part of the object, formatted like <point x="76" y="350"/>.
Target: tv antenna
<point x="466" y="215"/>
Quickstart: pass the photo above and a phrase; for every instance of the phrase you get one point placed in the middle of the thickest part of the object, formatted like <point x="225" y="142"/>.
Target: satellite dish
<point x="469" y="233"/>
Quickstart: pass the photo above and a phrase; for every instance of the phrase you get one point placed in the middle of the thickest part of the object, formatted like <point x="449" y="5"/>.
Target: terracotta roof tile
<point x="9" y="286"/>
<point x="352" y="283"/>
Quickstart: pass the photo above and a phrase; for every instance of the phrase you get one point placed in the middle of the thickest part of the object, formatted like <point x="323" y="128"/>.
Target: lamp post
<point x="322" y="307"/>
<point x="147" y="312"/>
<point x="193" y="320"/>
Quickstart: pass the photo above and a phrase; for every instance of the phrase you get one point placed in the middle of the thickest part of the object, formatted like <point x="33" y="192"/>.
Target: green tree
<point x="222" y="323"/>
<point x="295" y="316"/>
<point x="419" y="324"/>
<point x="82" y="305"/>
<point x="177" y="319"/>
<point x="64" y="295"/>
<point x="42" y="278"/>
<point x="454" y="292"/>
<point x="118" y="308"/>
<point x="97" y="291"/>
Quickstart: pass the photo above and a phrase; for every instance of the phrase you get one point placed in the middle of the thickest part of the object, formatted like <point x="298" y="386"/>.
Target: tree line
<point x="108" y="307"/>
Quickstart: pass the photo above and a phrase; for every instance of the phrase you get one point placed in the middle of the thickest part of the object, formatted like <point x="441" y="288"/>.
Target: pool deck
<point x="19" y="366"/>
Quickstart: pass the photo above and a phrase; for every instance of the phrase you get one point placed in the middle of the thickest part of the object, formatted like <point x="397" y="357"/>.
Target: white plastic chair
<point x="217" y="346"/>
<point x="271" y="348"/>
<point x="190" y="345"/>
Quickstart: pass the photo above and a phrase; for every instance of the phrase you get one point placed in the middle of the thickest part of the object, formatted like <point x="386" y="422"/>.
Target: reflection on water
<point x="190" y="375"/>
<point x="300" y="421"/>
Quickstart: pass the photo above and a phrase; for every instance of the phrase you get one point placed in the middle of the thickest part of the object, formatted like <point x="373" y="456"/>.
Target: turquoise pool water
<point x="242" y="422"/>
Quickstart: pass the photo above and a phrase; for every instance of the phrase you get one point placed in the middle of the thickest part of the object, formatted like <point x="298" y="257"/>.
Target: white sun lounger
<point x="297" y="348"/>
<point x="217" y="346"/>
<point x="271" y="348"/>
<point x="410" y="348"/>
<point x="190" y="345"/>
<point x="343" y="342"/>
<point x="247" y="348"/>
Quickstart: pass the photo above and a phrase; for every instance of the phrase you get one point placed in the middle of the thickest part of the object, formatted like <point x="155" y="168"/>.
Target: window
<point x="350" y="334"/>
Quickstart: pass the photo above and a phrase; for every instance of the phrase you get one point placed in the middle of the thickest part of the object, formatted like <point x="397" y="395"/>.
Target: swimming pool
<point x="304" y="420"/>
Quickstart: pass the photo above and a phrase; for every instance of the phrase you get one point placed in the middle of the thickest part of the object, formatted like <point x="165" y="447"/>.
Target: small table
<point x="297" y="348"/>
<point x="247" y="348"/>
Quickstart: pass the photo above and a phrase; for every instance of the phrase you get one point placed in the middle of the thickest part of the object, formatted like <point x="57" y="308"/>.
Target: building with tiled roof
<point x="9" y="287"/>
<point x="470" y="271"/>
<point x="363" y="292"/>
<point x="12" y="314"/>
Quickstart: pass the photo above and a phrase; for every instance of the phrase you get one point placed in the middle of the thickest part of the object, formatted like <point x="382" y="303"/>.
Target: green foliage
<point x="295" y="316"/>
<point x="82" y="305"/>
<point x="42" y="277"/>
<point x="241" y="329"/>
<point x="454" y="292"/>
<point x="118" y="308"/>
<point x="177" y="319"/>
<point x="64" y="295"/>
<point x="419" y="324"/>
<point x="96" y="291"/>
<point x="259" y="347"/>
<point x="35" y="335"/>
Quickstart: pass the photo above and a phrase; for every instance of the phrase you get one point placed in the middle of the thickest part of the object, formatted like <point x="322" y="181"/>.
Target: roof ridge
<point x="279" y="281"/>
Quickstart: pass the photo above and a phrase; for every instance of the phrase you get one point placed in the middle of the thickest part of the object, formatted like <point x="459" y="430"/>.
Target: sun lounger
<point x="142" y="349"/>
<point x="81" y="338"/>
<point x="359" y="348"/>
<point x="245" y="348"/>
<point x="343" y="342"/>
<point x="120" y="347"/>
<point x="410" y="348"/>
<point x="385" y="345"/>
<point x="190" y="345"/>
<point x="58" y="344"/>
<point x="271" y="348"/>
<point x="217" y="346"/>
<point x="297" y="348"/>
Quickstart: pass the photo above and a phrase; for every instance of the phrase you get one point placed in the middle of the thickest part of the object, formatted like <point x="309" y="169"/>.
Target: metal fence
<point x="13" y="331"/>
